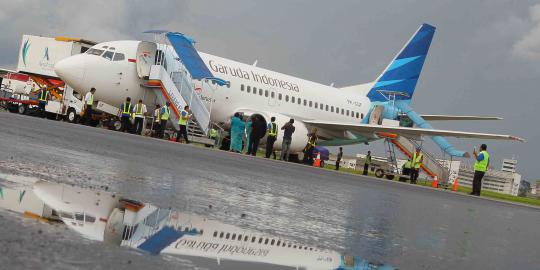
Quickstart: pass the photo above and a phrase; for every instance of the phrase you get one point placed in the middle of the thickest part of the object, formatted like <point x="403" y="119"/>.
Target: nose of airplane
<point x="71" y="70"/>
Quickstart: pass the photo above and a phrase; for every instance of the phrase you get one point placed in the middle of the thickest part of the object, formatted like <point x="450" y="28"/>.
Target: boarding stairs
<point x="177" y="88"/>
<point x="430" y="165"/>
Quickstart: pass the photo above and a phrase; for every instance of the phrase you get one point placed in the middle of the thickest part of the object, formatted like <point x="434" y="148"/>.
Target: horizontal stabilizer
<point x="368" y="130"/>
<point x="435" y="117"/>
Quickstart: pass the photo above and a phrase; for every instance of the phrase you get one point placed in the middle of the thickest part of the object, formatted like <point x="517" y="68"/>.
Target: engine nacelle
<point x="299" y="137"/>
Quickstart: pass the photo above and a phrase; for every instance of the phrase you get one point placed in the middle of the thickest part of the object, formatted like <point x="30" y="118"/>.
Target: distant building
<point x="533" y="188"/>
<point x="509" y="165"/>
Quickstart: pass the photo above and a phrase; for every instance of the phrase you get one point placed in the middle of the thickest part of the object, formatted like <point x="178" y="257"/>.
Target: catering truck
<point x="35" y="69"/>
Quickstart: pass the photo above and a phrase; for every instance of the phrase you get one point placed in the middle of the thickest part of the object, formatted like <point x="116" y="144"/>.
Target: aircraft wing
<point x="435" y="117"/>
<point x="372" y="130"/>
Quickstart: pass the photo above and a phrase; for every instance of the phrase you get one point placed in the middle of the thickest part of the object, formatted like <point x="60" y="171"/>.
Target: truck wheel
<point x="379" y="173"/>
<point x="71" y="115"/>
<point x="22" y="109"/>
<point x="390" y="176"/>
<point x="117" y="125"/>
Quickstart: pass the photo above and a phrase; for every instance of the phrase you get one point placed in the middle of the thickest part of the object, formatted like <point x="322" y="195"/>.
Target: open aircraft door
<point x="146" y="54"/>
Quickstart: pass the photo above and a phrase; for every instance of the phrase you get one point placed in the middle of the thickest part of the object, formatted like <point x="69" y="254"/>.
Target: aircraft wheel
<point x="379" y="173"/>
<point x="117" y="125"/>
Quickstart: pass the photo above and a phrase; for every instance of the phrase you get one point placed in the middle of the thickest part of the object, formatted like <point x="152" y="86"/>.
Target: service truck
<point x="35" y="69"/>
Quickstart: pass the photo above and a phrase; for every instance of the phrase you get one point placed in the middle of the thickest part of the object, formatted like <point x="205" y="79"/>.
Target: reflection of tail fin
<point x="402" y="74"/>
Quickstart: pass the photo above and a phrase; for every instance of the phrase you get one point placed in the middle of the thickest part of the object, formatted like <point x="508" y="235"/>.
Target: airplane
<point x="111" y="218"/>
<point x="343" y="116"/>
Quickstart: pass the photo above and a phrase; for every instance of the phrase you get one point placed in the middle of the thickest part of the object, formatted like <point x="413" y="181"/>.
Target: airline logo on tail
<point x="401" y="75"/>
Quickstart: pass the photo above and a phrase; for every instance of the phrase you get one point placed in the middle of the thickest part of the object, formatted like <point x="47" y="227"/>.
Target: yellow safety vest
<point x="167" y="113"/>
<point x="157" y="114"/>
<point x="91" y="100"/>
<point x="126" y="109"/>
<point x="417" y="160"/>
<point x="139" y="109"/>
<point x="368" y="160"/>
<point x="312" y="140"/>
<point x="182" y="120"/>
<point x="482" y="165"/>
<point x="273" y="130"/>
<point x="213" y="133"/>
<point x="407" y="164"/>
<point x="43" y="95"/>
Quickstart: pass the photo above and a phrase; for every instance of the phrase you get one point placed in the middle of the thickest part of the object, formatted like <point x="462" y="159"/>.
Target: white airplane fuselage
<point x="252" y="89"/>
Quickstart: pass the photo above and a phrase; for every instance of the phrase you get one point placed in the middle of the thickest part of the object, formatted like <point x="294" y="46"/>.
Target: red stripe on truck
<point x="131" y="60"/>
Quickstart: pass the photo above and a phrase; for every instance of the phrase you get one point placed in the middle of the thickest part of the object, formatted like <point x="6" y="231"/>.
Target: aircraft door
<point x="376" y="115"/>
<point x="146" y="54"/>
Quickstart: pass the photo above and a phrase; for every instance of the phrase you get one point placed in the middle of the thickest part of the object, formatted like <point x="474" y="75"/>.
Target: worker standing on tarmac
<point x="185" y="116"/>
<point x="165" y="113"/>
<point x="43" y="98"/>
<point x="88" y="103"/>
<point x="258" y="129"/>
<point x="288" y="130"/>
<point x="272" y="136"/>
<point x="237" y="132"/>
<point x="339" y="156"/>
<point x="417" y="160"/>
<point x="247" y="135"/>
<point x="405" y="170"/>
<point x="139" y="112"/>
<point x="125" y="114"/>
<point x="480" y="167"/>
<point x="157" y="119"/>
<point x="310" y="146"/>
<point x="213" y="136"/>
<point x="367" y="162"/>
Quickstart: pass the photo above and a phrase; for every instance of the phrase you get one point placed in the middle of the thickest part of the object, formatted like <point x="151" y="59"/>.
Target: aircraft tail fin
<point x="401" y="75"/>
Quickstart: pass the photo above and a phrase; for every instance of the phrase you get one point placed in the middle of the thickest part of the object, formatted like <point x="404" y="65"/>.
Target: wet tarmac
<point x="383" y="221"/>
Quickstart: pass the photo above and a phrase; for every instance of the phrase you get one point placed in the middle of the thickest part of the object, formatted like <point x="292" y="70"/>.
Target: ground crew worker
<point x="125" y="114"/>
<point x="339" y="156"/>
<point x="416" y="161"/>
<point x="367" y="162"/>
<point x="288" y="130"/>
<point x="165" y="113"/>
<point x="310" y="146"/>
<point x="480" y="167"/>
<point x="185" y="116"/>
<point x="139" y="112"/>
<point x="88" y="104"/>
<point x="43" y="99"/>
<point x="213" y="136"/>
<point x="258" y="129"/>
<point x="272" y="136"/>
<point x="157" y="120"/>
<point x="405" y="170"/>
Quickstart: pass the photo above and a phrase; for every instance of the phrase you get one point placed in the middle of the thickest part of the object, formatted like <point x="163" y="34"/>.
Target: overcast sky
<point x="484" y="60"/>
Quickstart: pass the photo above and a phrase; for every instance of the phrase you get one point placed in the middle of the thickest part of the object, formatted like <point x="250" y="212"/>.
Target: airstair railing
<point x="442" y="171"/>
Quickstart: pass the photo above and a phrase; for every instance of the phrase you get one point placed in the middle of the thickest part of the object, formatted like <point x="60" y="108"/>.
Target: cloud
<point x="528" y="47"/>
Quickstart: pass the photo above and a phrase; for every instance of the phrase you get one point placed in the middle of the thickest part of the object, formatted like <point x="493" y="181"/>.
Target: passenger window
<point x="280" y="96"/>
<point x="260" y="92"/>
<point x="357" y="115"/>
<point x="331" y="108"/>
<point x="221" y="235"/>
<point x="293" y="100"/>
<point x="273" y="95"/>
<point x="305" y="102"/>
<point x="215" y="234"/>
<point x="286" y="98"/>
<point x="310" y="104"/>
<point x="233" y="236"/>
<point x="278" y="243"/>
<point x="253" y="239"/>
<point x="322" y="107"/>
<point x="326" y="106"/>
<point x="343" y="111"/>
<point x="119" y="57"/>
<point x="316" y="105"/>
<point x="260" y="240"/>
<point x="228" y="234"/>
<point x="108" y="55"/>
<point x="266" y="241"/>
<point x="254" y="90"/>
<point x="337" y="110"/>
<point x="242" y="87"/>
<point x="246" y="238"/>
<point x="249" y="89"/>
<point x="266" y="93"/>
<point x="347" y="112"/>
<point x="361" y="116"/>
<point x="272" y="242"/>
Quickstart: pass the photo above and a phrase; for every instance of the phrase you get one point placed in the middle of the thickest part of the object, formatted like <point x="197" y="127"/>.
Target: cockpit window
<point x="119" y="57"/>
<point x="93" y="51"/>
<point x="108" y="55"/>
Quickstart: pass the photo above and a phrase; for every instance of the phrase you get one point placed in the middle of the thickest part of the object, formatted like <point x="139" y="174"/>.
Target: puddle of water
<point x="100" y="215"/>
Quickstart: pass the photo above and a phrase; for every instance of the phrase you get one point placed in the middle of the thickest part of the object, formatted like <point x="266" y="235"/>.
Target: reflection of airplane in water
<point x="105" y="216"/>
